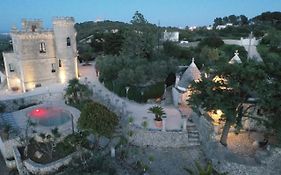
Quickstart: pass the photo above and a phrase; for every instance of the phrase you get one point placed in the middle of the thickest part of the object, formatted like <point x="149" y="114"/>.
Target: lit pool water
<point x="49" y="116"/>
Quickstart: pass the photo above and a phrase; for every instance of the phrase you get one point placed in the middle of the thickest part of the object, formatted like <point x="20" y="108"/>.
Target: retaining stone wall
<point x="158" y="138"/>
<point x="37" y="168"/>
<point x="14" y="104"/>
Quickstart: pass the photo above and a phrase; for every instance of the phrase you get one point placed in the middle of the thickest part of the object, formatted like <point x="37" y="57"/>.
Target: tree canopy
<point x="97" y="119"/>
<point x="77" y="92"/>
<point x="233" y="87"/>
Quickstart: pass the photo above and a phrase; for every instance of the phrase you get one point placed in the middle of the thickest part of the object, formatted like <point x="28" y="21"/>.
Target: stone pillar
<point x="112" y="152"/>
<point x="164" y="124"/>
<point x="184" y="125"/>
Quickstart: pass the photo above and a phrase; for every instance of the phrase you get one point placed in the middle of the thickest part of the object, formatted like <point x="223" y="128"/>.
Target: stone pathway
<point x="139" y="112"/>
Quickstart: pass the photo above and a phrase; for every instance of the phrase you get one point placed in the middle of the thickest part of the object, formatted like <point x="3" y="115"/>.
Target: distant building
<point x="192" y="28"/>
<point x="171" y="36"/>
<point x="219" y="27"/>
<point x="184" y="42"/>
<point x="210" y="27"/>
<point x="41" y="57"/>
<point x="235" y="59"/>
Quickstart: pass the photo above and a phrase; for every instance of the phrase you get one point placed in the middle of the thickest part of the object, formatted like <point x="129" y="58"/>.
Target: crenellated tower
<point x="66" y="49"/>
<point x="40" y="56"/>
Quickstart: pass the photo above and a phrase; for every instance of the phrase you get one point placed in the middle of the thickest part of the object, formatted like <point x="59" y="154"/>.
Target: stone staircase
<point x="8" y="119"/>
<point x="193" y="134"/>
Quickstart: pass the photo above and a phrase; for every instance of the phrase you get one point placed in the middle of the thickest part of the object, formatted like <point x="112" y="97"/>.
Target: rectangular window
<point x="60" y="63"/>
<point x="53" y="67"/>
<point x="68" y="42"/>
<point x="38" y="85"/>
<point x="42" y="47"/>
<point x="33" y="28"/>
<point x="11" y="68"/>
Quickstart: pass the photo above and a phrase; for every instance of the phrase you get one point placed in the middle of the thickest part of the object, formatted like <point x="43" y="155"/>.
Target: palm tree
<point x="76" y="92"/>
<point x="158" y="111"/>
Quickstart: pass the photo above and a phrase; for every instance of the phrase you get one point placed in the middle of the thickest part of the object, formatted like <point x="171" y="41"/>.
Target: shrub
<point x="97" y="119"/>
<point x="149" y="92"/>
<point x="119" y="90"/>
<point x="212" y="41"/>
<point x="108" y="85"/>
<point x="154" y="91"/>
<point x="135" y="94"/>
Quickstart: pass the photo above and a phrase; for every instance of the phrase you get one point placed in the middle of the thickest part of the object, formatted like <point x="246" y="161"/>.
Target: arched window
<point x="68" y="42"/>
<point x="60" y="63"/>
<point x="42" y="47"/>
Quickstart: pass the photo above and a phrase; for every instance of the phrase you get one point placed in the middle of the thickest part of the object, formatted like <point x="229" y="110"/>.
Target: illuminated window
<point x="53" y="67"/>
<point x="42" y="47"/>
<point x="11" y="68"/>
<point x="60" y="63"/>
<point x="68" y="42"/>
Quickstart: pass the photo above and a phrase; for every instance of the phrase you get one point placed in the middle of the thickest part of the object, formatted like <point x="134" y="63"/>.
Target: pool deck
<point x="139" y="112"/>
<point x="21" y="118"/>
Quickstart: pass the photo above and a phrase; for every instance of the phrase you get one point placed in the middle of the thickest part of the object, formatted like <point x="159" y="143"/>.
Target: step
<point x="197" y="143"/>
<point x="190" y="137"/>
<point x="193" y="132"/>
<point x="193" y="139"/>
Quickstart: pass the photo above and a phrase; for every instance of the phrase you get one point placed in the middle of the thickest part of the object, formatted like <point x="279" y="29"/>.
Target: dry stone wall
<point x="157" y="138"/>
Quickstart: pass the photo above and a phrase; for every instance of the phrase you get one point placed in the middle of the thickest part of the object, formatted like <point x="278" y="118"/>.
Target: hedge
<point x="135" y="93"/>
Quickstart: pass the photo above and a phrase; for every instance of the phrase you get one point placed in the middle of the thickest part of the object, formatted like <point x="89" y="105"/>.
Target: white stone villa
<point x="181" y="90"/>
<point x="171" y="36"/>
<point x="40" y="56"/>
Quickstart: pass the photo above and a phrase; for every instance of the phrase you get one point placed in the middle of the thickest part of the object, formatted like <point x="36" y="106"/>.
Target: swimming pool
<point x="49" y="116"/>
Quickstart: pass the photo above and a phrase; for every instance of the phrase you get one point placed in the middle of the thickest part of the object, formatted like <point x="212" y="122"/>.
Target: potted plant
<point x="158" y="112"/>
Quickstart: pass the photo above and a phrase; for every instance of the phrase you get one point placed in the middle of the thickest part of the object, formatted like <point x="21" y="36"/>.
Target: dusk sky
<point x="179" y="13"/>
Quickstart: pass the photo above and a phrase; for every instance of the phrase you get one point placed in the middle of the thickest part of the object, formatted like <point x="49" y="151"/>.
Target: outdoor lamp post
<point x="72" y="124"/>
<point x="142" y="95"/>
<point x="127" y="89"/>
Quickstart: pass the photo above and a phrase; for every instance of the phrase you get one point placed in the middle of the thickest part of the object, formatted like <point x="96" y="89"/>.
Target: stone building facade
<point x="40" y="56"/>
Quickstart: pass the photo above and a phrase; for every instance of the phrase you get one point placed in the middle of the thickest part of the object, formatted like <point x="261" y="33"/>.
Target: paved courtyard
<point x="88" y="75"/>
<point x="138" y="111"/>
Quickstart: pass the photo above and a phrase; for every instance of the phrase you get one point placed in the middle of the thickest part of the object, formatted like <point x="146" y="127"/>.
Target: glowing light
<point x="18" y="80"/>
<point x="219" y="112"/>
<point x="62" y="76"/>
<point x="216" y="116"/>
<point x="38" y="113"/>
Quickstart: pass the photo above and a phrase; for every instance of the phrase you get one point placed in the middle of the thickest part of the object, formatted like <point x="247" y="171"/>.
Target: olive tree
<point x="98" y="120"/>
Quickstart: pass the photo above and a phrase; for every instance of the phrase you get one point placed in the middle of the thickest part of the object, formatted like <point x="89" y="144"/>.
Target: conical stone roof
<point x="192" y="73"/>
<point x="235" y="59"/>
